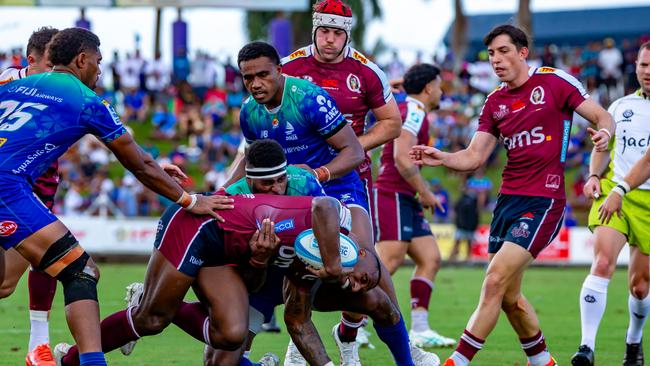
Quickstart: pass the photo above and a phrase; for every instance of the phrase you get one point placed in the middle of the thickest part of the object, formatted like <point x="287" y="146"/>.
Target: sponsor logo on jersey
<point x="290" y="132"/>
<point x="537" y="95"/>
<point x="627" y="115"/>
<point x="111" y="112"/>
<point x="359" y="57"/>
<point x="545" y="70"/>
<point x="22" y="168"/>
<point x="308" y="78"/>
<point x="521" y="231"/>
<point x="632" y="141"/>
<point x="275" y="123"/>
<point x="502" y="112"/>
<point x="525" y="138"/>
<point x="330" y="83"/>
<point x="354" y="84"/>
<point x="328" y="108"/>
<point x="298" y="53"/>
<point x="553" y="181"/>
<point x="7" y="228"/>
<point x="518" y="106"/>
<point x="196" y="261"/>
<point x="284" y="225"/>
<point x="2" y="141"/>
<point x="285" y="257"/>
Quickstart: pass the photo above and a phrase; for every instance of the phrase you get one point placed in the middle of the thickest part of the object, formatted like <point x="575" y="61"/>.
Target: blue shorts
<point x="270" y="295"/>
<point x="529" y="221"/>
<point x="351" y="192"/>
<point x="21" y="212"/>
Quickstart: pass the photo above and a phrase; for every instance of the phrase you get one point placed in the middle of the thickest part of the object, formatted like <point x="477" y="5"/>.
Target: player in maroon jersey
<point x="221" y="261"/>
<point x="531" y="113"/>
<point x="42" y="286"/>
<point x="357" y="85"/>
<point x="401" y="225"/>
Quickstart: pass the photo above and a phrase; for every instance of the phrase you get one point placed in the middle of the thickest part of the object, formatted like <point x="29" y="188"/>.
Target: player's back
<point x="42" y="115"/>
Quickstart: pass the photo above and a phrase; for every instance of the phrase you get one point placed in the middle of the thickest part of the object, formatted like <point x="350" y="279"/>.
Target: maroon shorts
<point x="399" y="216"/>
<point x="365" y="174"/>
<point x="189" y="242"/>
<point x="528" y="221"/>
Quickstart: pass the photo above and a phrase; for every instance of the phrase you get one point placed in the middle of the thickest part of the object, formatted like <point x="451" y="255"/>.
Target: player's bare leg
<point x="14" y="268"/>
<point x="639" y="305"/>
<point x="82" y="315"/>
<point x="593" y="295"/>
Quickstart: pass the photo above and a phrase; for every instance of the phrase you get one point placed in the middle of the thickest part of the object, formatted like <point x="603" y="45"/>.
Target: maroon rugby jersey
<point x="45" y="186"/>
<point x="534" y="122"/>
<point x="356" y="84"/>
<point x="291" y="215"/>
<point x="415" y="121"/>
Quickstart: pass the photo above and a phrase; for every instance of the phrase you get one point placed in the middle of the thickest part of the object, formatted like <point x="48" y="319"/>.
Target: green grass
<point x="553" y="292"/>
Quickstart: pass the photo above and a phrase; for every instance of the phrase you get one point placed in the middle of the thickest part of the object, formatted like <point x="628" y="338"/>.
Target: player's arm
<point x="297" y="317"/>
<point x="409" y="171"/>
<point x="350" y="154"/>
<point x="147" y="171"/>
<point x="600" y="118"/>
<point x="466" y="160"/>
<point x="387" y="127"/>
<point x="597" y="166"/>
<point x="325" y="220"/>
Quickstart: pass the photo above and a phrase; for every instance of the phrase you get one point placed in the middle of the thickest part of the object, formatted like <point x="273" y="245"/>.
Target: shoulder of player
<point x="300" y="53"/>
<point x="551" y="73"/>
<point x="10" y="74"/>
<point x="363" y="62"/>
<point x="498" y="90"/>
<point x="630" y="100"/>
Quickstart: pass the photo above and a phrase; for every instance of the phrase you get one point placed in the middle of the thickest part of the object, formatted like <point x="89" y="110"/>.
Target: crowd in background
<point x="194" y="124"/>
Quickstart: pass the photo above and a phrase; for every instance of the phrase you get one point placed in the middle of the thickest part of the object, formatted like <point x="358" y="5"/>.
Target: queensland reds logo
<point x="7" y="228"/>
<point x="354" y="84"/>
<point x="537" y="95"/>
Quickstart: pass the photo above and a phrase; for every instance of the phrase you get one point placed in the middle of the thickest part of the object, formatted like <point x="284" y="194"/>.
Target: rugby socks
<point x="42" y="288"/>
<point x="117" y="330"/>
<point x="421" y="289"/>
<point x="639" y="310"/>
<point x="467" y="347"/>
<point x="593" y="298"/>
<point x="92" y="359"/>
<point x="193" y="319"/>
<point x="348" y="328"/>
<point x="397" y="339"/>
<point x="535" y="349"/>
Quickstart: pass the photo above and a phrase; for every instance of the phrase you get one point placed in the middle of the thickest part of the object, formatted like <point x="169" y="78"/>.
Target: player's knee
<point x="150" y="324"/>
<point x="68" y="263"/>
<point x="494" y="285"/>
<point x="511" y="304"/>
<point x="6" y="289"/>
<point x="382" y="311"/>
<point x="428" y="265"/>
<point x="639" y="285"/>
<point x="230" y="337"/>
<point x="603" y="266"/>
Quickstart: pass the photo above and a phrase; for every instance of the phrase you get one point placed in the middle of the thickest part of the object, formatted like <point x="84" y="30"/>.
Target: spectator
<point x="466" y="219"/>
<point x="610" y="60"/>
<point x="440" y="216"/>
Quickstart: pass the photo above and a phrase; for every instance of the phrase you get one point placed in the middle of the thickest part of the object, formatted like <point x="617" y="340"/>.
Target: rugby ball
<point x="308" y="251"/>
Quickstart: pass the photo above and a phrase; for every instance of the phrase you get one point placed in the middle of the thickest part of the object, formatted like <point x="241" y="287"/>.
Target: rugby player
<point x="399" y="214"/>
<point x="531" y="112"/>
<point x="358" y="86"/>
<point x="42" y="115"/>
<point x="222" y="261"/>
<point x="611" y="193"/>
<point x="42" y="287"/>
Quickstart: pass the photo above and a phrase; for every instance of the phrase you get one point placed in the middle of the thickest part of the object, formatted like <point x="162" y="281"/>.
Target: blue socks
<point x="397" y="339"/>
<point x="244" y="361"/>
<point x="92" y="359"/>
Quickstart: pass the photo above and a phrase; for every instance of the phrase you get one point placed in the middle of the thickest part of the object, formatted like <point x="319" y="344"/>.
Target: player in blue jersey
<point x="40" y="117"/>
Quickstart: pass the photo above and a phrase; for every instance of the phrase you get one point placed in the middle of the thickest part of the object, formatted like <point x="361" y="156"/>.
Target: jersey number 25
<point x="14" y="115"/>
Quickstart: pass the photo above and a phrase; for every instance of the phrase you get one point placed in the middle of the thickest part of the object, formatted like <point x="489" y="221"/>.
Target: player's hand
<point x="592" y="187"/>
<point x="205" y="205"/>
<point x="326" y="276"/>
<point x="429" y="201"/>
<point x="264" y="242"/>
<point x="426" y="155"/>
<point x="599" y="138"/>
<point x="306" y="167"/>
<point x="174" y="172"/>
<point x="613" y="204"/>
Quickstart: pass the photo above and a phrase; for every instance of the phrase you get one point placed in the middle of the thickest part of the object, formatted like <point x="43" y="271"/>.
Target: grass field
<point x="553" y="291"/>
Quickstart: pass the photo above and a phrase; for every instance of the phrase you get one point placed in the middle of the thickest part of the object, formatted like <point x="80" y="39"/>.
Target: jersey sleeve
<point x="414" y="119"/>
<point x="102" y="120"/>
<point x="313" y="186"/>
<point x="378" y="92"/>
<point x="323" y="114"/>
<point x="485" y="121"/>
<point x="239" y="187"/>
<point x="570" y="93"/>
<point x="244" y="122"/>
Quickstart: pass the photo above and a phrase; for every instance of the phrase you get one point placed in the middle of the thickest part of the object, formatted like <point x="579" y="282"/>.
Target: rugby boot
<point x="423" y="358"/>
<point x="293" y="356"/>
<point x="551" y="362"/>
<point x="60" y="350"/>
<point x="584" y="356"/>
<point x="349" y="351"/>
<point x="430" y="338"/>
<point x="633" y="354"/>
<point x="269" y="359"/>
<point x="40" y="356"/>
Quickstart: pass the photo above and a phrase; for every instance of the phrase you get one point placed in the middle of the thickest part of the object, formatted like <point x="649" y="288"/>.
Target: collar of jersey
<point x="642" y="94"/>
<point x="284" y="90"/>
<point x="413" y="100"/>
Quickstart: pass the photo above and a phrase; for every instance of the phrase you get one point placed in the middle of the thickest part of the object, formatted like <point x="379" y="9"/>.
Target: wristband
<point x="184" y="200"/>
<point x="322" y="174"/>
<point x="606" y="131"/>
<point x="619" y="190"/>
<point x="193" y="198"/>
<point x="257" y="264"/>
<point x="594" y="175"/>
<point x="625" y="186"/>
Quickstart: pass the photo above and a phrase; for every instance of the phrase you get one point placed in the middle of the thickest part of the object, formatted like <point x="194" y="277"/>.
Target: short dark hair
<point x="518" y="37"/>
<point x="418" y="76"/>
<point x="39" y="39"/>
<point x="256" y="50"/>
<point x="265" y="153"/>
<point x="644" y="46"/>
<point x="69" y="43"/>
